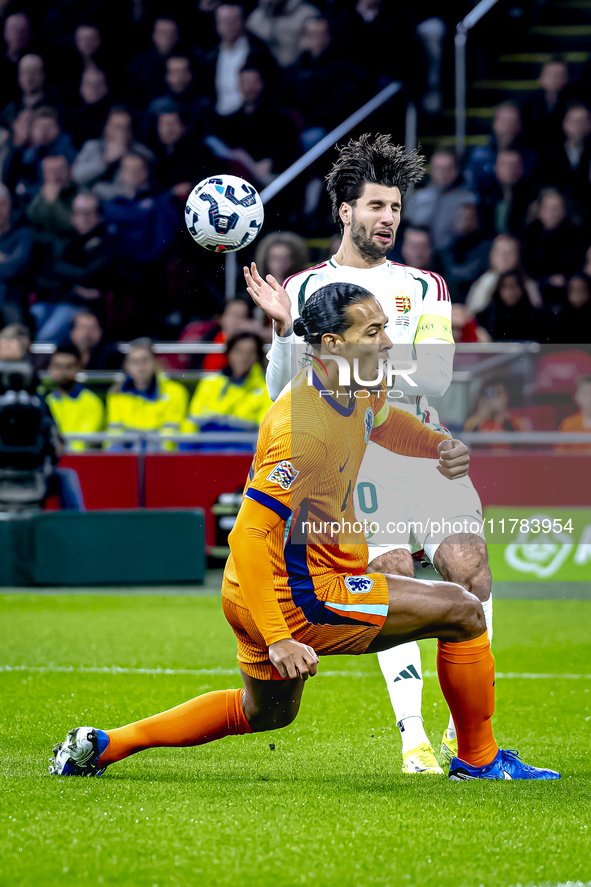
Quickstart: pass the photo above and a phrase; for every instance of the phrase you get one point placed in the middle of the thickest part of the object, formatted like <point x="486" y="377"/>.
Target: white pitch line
<point x="562" y="884"/>
<point x="197" y="672"/>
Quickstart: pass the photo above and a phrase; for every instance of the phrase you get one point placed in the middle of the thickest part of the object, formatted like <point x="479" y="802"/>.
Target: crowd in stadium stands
<point x="109" y="117"/>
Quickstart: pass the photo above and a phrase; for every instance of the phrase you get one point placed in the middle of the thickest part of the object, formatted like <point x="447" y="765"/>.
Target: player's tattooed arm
<point x="454" y="458"/>
<point x="271" y="297"/>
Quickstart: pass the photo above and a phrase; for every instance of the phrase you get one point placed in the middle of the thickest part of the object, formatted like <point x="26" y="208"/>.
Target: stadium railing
<point x="463" y="28"/>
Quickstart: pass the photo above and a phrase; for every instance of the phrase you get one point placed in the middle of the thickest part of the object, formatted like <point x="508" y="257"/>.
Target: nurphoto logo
<point x="387" y="370"/>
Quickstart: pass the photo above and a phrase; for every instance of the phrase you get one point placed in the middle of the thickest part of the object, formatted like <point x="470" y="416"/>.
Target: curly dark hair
<point x="371" y="158"/>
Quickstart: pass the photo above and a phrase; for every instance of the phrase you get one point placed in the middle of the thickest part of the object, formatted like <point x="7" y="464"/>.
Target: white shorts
<point x="407" y="503"/>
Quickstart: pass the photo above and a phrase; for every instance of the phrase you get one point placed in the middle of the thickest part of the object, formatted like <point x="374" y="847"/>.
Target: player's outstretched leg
<point x="401" y="667"/>
<point x="262" y="705"/>
<point x="466" y="670"/>
<point x="463" y="558"/>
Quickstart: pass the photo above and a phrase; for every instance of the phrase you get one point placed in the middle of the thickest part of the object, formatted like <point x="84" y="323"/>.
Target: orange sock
<point x="467" y="677"/>
<point x="203" y="719"/>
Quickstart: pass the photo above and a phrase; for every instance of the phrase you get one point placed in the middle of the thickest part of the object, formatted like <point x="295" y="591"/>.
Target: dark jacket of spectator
<point x="23" y="167"/>
<point x="573" y="321"/>
<point x="16" y="242"/>
<point x="505" y="203"/>
<point x="548" y="252"/>
<point x="320" y="72"/>
<point x="88" y="119"/>
<point x="146" y="72"/>
<point x="80" y="260"/>
<point x="146" y="225"/>
<point x="466" y="258"/>
<point x="34" y="91"/>
<point x="510" y="316"/>
<point x="249" y="127"/>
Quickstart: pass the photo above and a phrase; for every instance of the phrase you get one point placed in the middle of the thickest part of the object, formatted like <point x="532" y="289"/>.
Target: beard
<point x="366" y="245"/>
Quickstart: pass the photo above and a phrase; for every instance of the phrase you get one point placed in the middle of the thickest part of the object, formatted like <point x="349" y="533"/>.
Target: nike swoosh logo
<point x="344" y="466"/>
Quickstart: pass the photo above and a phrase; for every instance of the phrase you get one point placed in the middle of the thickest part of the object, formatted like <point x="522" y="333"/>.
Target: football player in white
<point x="407" y="504"/>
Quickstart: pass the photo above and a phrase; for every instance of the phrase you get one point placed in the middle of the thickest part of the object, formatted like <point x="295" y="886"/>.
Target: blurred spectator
<point x="440" y="203"/>
<point x="567" y="162"/>
<point x="181" y="91"/>
<point x="505" y="255"/>
<point x="84" y="51"/>
<point x="237" y="317"/>
<point x="88" y="336"/>
<point x="504" y="204"/>
<point x="464" y="326"/>
<point x="581" y="421"/>
<point x="99" y="159"/>
<point x="77" y="273"/>
<point x="587" y="265"/>
<point x="507" y="135"/>
<point x="417" y="248"/>
<point x="319" y="71"/>
<point x="511" y="316"/>
<point x="237" y="391"/>
<point x="145" y="220"/>
<point x="17" y="37"/>
<point x="221" y="65"/>
<point x="16" y="242"/>
<point x="281" y="254"/>
<point x="280" y="24"/>
<point x="246" y="131"/>
<point x="33" y="91"/>
<point x="146" y="400"/>
<point x="50" y="210"/>
<point x="553" y="248"/>
<point x="177" y="158"/>
<point x="14" y="342"/>
<point x="573" y="323"/>
<point x="203" y="20"/>
<point x="147" y="70"/>
<point x="543" y="112"/>
<point x="364" y="32"/>
<point x="76" y="409"/>
<point x="22" y="172"/>
<point x="466" y="257"/>
<point x="492" y="410"/>
<point x="87" y="121"/>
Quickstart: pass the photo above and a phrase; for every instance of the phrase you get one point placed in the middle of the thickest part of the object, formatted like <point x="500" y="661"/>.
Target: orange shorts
<point x="344" y="616"/>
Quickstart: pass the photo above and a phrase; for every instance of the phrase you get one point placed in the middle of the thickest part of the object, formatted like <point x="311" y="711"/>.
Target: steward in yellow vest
<point x="74" y="407"/>
<point x="146" y="400"/>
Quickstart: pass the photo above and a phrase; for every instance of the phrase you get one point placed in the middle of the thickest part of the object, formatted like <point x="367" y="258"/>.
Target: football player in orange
<point x="295" y="586"/>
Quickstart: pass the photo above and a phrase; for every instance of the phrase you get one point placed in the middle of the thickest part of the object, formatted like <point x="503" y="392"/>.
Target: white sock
<point x="487" y="606"/>
<point x="401" y="667"/>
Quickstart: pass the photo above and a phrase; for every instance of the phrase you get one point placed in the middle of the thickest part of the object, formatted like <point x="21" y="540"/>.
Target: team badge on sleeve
<point x="283" y="474"/>
<point x="358" y="584"/>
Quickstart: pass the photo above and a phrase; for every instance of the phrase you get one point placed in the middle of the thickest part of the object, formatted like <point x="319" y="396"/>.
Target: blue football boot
<point x="79" y="753"/>
<point x="506" y="765"/>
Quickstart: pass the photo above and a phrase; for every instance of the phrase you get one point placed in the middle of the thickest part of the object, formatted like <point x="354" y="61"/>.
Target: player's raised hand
<point x="454" y="458"/>
<point x="292" y="659"/>
<point x="271" y="297"/>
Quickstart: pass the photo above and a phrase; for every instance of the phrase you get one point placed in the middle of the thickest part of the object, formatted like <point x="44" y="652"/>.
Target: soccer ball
<point x="224" y="213"/>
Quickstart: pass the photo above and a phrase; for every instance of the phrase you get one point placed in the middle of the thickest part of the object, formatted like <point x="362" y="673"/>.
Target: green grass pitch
<point x="327" y="806"/>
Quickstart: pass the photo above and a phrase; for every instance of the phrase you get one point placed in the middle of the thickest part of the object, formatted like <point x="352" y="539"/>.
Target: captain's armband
<point x="434" y="326"/>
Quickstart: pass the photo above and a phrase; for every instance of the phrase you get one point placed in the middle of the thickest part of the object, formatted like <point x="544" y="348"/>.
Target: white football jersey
<point x="417" y="304"/>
